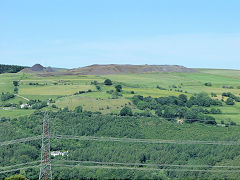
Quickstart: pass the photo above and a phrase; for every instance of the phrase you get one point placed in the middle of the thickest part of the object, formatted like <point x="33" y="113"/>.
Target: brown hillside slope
<point x="125" y="69"/>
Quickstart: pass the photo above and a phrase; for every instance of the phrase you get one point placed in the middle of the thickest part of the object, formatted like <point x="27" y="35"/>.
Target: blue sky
<point x="68" y="33"/>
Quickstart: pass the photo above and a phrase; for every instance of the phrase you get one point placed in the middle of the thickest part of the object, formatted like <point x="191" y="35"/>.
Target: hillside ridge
<point x="97" y="69"/>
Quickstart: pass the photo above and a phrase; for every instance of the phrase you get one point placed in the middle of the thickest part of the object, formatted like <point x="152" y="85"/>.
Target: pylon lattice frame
<point x="45" y="168"/>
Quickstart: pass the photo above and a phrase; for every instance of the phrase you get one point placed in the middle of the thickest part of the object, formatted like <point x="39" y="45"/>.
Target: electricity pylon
<point x="45" y="168"/>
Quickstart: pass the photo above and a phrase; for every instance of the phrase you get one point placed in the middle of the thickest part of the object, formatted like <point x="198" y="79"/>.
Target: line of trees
<point x="10" y="68"/>
<point x="15" y="84"/>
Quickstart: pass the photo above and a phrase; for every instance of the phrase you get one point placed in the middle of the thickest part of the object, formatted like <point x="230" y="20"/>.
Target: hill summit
<point x="38" y="68"/>
<point x="97" y="69"/>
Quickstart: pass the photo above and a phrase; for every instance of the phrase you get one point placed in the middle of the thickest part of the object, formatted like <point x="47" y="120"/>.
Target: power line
<point x="20" y="140"/>
<point x="142" y="164"/>
<point x="127" y="140"/>
<point x="130" y="140"/>
<point x="151" y="141"/>
<point x="192" y="119"/>
<point x="128" y="168"/>
<point x="16" y="165"/>
<point x="144" y="169"/>
<point x="13" y="170"/>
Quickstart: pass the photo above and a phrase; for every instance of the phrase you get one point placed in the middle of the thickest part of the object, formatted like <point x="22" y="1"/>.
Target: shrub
<point x="108" y="82"/>
<point x="33" y="83"/>
<point x="15" y="83"/>
<point x="209" y="120"/>
<point x="7" y="105"/>
<point x="229" y="94"/>
<point x="142" y="105"/>
<point x="118" y="88"/>
<point x="208" y="84"/>
<point x="110" y="92"/>
<point x="126" y="111"/>
<point x="215" y="111"/>
<point x="227" y="87"/>
<point x="78" y="109"/>
<point x="161" y="88"/>
<point x="213" y="94"/>
<point x="98" y="88"/>
<point x="16" y="90"/>
<point x="54" y="106"/>
<point x="158" y="112"/>
<point x="3" y="119"/>
<point x="230" y="101"/>
<point x="39" y="105"/>
<point x="6" y="96"/>
<point x="183" y="97"/>
<point x="94" y="83"/>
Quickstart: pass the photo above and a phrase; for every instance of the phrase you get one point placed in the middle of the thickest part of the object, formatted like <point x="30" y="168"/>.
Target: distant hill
<point x="38" y="68"/>
<point x="125" y="69"/>
<point x="96" y="69"/>
<point x="10" y="68"/>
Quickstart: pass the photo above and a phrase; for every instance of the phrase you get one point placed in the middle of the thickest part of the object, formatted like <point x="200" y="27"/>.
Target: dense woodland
<point x="78" y="123"/>
<point x="10" y="68"/>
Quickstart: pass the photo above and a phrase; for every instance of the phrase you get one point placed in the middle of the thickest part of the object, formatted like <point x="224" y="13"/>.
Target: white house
<point x="58" y="153"/>
<point x="23" y="105"/>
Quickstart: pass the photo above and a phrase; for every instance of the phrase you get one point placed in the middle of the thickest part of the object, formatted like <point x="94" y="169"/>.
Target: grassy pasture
<point x="229" y="112"/>
<point x="150" y="92"/>
<point x="223" y="72"/>
<point x="13" y="113"/>
<point x="6" y="80"/>
<point x="142" y="84"/>
<point x="95" y="104"/>
<point x="54" y="89"/>
<point x="192" y="82"/>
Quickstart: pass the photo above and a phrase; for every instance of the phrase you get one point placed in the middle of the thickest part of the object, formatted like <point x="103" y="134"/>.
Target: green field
<point x="62" y="89"/>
